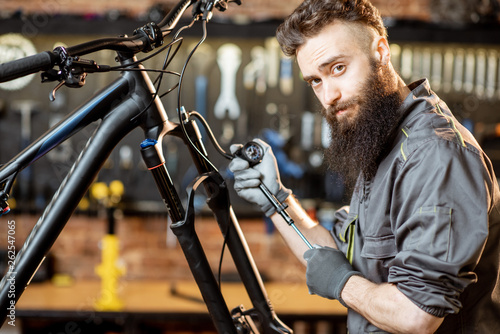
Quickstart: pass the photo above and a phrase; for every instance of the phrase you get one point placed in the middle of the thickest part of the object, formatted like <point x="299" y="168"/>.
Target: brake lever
<point x="204" y="8"/>
<point x="73" y="77"/>
<point x="72" y="71"/>
<point x="254" y="153"/>
<point x="222" y="5"/>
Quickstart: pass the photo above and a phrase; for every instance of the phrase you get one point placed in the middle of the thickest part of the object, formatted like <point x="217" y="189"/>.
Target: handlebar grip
<point x="28" y="65"/>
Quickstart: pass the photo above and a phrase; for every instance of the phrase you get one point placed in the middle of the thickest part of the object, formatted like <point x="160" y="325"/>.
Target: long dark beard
<point x="358" y="145"/>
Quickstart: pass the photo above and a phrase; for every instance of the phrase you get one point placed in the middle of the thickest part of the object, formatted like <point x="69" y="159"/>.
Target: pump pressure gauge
<point x="251" y="152"/>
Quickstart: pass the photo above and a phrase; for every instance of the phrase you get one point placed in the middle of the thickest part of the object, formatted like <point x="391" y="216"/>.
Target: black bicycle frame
<point x="120" y="108"/>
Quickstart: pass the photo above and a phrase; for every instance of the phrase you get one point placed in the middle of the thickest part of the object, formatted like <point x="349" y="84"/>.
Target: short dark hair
<point x="312" y="16"/>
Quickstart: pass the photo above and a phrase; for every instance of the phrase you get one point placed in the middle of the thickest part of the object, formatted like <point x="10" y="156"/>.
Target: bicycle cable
<point x="158" y="80"/>
<point x="168" y="58"/>
<point x="154" y="54"/>
<point x="212" y="138"/>
<point x="210" y="135"/>
<point x="179" y="99"/>
<point x="167" y="62"/>
<point x="178" y="85"/>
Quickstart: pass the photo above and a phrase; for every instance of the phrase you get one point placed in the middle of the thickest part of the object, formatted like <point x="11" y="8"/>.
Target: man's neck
<point x="403" y="88"/>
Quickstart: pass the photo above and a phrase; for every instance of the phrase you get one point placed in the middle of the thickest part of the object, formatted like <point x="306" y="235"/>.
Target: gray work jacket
<point x="429" y="221"/>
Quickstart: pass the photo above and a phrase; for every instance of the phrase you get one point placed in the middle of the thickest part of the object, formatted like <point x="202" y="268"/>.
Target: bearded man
<point x="417" y="250"/>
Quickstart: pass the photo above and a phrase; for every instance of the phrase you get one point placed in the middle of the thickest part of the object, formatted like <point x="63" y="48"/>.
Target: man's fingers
<point x="237" y="165"/>
<point x="245" y="184"/>
<point x="235" y="147"/>
<point x="247" y="174"/>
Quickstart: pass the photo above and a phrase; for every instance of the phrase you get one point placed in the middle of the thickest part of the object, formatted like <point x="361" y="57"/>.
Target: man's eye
<point x="338" y="69"/>
<point x="314" y="82"/>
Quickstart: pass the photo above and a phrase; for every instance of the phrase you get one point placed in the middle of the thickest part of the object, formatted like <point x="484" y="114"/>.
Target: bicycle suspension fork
<point x="183" y="228"/>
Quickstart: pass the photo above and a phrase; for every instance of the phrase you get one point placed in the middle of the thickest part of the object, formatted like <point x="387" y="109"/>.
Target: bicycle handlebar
<point x="144" y="39"/>
<point x="171" y="19"/>
<point x="28" y="65"/>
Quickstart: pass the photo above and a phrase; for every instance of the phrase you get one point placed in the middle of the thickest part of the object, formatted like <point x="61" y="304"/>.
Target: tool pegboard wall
<point x="241" y="88"/>
<point x="245" y="88"/>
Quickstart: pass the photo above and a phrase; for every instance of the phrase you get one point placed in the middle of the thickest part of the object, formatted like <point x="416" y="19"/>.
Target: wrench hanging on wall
<point x="425" y="66"/>
<point x="437" y="69"/>
<point x="307" y="129"/>
<point x="273" y="61"/>
<point x="491" y="73"/>
<point x="202" y="60"/>
<point x="396" y="56"/>
<point x="27" y="109"/>
<point x="254" y="74"/>
<point x="480" y="85"/>
<point x="416" y="64"/>
<point x="448" y="70"/>
<point x="406" y="62"/>
<point x="470" y="65"/>
<point x="458" y="70"/>
<point x="229" y="60"/>
<point x="286" y="75"/>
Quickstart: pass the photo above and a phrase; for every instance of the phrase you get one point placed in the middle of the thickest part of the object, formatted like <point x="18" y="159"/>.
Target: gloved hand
<point x="247" y="179"/>
<point x="327" y="272"/>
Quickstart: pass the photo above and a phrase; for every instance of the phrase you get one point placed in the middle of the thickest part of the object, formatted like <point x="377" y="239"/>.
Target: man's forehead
<point x="356" y="34"/>
<point x="333" y="39"/>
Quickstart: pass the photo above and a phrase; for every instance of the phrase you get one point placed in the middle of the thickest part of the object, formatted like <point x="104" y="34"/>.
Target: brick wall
<point x="257" y="9"/>
<point x="146" y="253"/>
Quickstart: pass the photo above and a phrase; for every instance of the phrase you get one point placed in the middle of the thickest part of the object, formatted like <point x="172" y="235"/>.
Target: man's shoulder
<point x="434" y="124"/>
<point x="427" y="117"/>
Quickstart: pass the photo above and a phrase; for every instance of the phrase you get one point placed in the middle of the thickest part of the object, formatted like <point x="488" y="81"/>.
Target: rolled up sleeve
<point x="441" y="201"/>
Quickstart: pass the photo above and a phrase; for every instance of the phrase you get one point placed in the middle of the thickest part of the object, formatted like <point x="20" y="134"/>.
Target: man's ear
<point x="382" y="50"/>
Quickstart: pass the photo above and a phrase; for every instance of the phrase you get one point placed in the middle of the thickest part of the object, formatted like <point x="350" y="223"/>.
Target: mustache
<point x="340" y="105"/>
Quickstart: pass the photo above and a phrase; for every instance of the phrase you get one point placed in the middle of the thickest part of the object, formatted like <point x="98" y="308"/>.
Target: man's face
<point x="359" y="99"/>
<point x="336" y="66"/>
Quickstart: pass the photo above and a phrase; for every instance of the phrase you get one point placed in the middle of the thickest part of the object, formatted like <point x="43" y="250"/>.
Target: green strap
<point x="402" y="148"/>
<point x="350" y="246"/>
<point x="348" y="235"/>
<point x="452" y="125"/>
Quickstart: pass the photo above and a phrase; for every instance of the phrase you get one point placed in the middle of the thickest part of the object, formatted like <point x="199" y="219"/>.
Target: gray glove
<point x="247" y="180"/>
<point x="327" y="272"/>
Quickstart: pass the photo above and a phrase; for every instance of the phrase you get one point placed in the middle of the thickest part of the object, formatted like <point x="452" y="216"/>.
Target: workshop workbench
<point x="164" y="307"/>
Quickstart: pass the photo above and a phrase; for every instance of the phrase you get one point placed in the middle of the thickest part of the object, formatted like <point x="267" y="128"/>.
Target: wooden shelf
<point x="165" y="307"/>
<point x="177" y="297"/>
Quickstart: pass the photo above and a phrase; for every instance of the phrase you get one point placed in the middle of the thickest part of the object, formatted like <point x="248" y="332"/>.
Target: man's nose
<point x="331" y="93"/>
